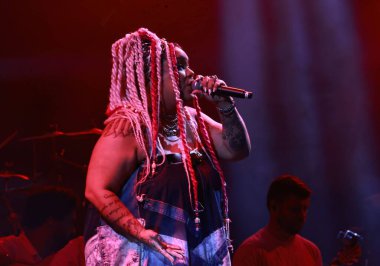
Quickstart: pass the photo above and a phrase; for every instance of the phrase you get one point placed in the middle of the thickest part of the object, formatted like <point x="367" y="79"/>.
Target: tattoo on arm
<point x="119" y="217"/>
<point x="234" y="131"/>
<point x="132" y="226"/>
<point x="118" y="127"/>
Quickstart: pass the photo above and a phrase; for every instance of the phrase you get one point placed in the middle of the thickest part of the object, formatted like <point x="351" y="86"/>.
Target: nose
<point x="189" y="72"/>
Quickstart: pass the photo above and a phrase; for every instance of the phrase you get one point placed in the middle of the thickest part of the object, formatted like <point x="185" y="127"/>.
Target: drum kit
<point x="13" y="181"/>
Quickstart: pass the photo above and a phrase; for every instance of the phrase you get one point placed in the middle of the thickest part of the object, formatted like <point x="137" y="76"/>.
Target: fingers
<point x="175" y="254"/>
<point x="173" y="250"/>
<point x="210" y="83"/>
<point x="168" y="256"/>
<point x="169" y="251"/>
<point x="174" y="247"/>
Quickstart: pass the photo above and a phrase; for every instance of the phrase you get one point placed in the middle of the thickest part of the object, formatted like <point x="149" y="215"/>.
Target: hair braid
<point x="154" y="95"/>
<point x="210" y="148"/>
<point x="117" y="69"/>
<point x="182" y="128"/>
<point x="127" y="104"/>
<point x="115" y="61"/>
<point x="139" y="65"/>
<point x="130" y="75"/>
<point x="159" y="56"/>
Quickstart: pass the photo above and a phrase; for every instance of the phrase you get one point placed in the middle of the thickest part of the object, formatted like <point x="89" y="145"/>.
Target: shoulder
<point x="18" y="248"/>
<point x="8" y="242"/>
<point x="254" y="241"/>
<point x="71" y="254"/>
<point x="309" y="245"/>
<point x="118" y="127"/>
<point x="210" y="123"/>
<point x="306" y="242"/>
<point x="118" y="133"/>
<point x="251" y="244"/>
<point x="249" y="251"/>
<point x="117" y="142"/>
<point x="191" y="111"/>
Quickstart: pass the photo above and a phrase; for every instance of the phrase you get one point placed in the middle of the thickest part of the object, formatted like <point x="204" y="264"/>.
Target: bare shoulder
<point x="119" y="136"/>
<point x="118" y="127"/>
<point x="192" y="112"/>
<point x="208" y="120"/>
<point x="114" y="157"/>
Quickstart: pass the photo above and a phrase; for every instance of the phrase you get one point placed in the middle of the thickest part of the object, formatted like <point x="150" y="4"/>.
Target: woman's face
<point x="185" y="80"/>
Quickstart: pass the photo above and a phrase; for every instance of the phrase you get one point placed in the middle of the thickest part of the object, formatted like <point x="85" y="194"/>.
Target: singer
<point x="154" y="178"/>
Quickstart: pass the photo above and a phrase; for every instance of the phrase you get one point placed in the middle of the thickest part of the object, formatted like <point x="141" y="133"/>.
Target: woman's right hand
<point x="155" y="241"/>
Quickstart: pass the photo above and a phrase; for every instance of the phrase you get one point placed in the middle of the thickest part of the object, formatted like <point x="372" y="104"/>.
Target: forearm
<point x="114" y="212"/>
<point x="122" y="221"/>
<point x="234" y="132"/>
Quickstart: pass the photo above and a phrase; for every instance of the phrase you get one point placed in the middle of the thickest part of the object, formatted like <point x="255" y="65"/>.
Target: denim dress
<point x="162" y="203"/>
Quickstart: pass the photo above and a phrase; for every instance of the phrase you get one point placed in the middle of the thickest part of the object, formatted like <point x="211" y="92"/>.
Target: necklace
<point x="170" y="128"/>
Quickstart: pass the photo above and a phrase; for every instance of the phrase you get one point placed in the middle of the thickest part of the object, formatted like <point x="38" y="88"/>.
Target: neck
<point x="169" y="120"/>
<point x="278" y="232"/>
<point x="168" y="112"/>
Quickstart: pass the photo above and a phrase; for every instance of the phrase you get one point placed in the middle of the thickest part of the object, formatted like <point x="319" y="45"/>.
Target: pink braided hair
<point x="211" y="150"/>
<point x="172" y="61"/>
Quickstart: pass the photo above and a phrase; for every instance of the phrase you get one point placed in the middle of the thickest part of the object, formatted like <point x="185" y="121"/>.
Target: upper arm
<point x="215" y="131"/>
<point x="113" y="160"/>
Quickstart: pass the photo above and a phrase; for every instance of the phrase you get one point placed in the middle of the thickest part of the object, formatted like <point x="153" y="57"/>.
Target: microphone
<point x="224" y="90"/>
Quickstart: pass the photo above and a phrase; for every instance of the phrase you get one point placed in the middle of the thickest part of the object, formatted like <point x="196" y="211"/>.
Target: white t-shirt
<point x="263" y="249"/>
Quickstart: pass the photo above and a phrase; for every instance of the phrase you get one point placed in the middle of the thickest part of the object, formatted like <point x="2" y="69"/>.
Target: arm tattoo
<point x="132" y="227"/>
<point x="118" y="127"/>
<point x="234" y="131"/>
<point x="119" y="217"/>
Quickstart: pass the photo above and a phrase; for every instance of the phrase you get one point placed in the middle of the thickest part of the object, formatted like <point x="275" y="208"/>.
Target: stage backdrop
<point x="315" y="112"/>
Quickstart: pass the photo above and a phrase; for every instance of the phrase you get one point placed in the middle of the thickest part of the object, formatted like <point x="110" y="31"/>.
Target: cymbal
<point x="92" y="131"/>
<point x="13" y="175"/>
<point x="44" y="136"/>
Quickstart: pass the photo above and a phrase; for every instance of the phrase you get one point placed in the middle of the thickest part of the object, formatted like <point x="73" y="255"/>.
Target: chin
<point x="295" y="230"/>
<point x="292" y="229"/>
<point x="186" y="97"/>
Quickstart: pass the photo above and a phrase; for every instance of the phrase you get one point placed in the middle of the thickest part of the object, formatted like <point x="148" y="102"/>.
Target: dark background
<point x="313" y="67"/>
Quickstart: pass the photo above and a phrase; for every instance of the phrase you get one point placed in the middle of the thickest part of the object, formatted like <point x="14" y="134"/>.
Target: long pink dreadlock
<point x="128" y="100"/>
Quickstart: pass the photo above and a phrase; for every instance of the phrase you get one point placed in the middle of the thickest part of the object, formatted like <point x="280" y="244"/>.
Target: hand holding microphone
<point x="214" y="86"/>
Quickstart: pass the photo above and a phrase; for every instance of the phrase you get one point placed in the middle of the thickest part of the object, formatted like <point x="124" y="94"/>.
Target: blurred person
<point x="49" y="228"/>
<point x="154" y="175"/>
<point x="278" y="243"/>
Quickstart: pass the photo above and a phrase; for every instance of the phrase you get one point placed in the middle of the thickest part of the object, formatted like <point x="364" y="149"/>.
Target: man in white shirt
<point x="279" y="243"/>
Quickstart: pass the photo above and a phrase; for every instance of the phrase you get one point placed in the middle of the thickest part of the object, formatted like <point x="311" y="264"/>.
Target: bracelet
<point x="227" y="110"/>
